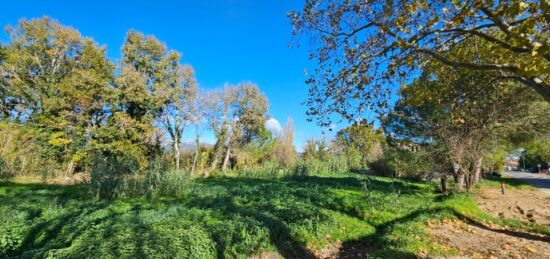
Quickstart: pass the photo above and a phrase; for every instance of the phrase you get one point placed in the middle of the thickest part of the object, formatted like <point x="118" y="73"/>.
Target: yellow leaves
<point x="59" y="139"/>
<point x="523" y="5"/>
<point x="458" y="121"/>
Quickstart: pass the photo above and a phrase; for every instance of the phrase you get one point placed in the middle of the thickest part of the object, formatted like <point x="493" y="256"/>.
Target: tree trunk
<point x="70" y="169"/>
<point x="468" y="180"/>
<point x="216" y="158"/>
<point x="177" y="154"/>
<point x="226" y="159"/>
<point x="197" y="150"/>
<point x="477" y="171"/>
<point x="460" y="182"/>
<point x="444" y="183"/>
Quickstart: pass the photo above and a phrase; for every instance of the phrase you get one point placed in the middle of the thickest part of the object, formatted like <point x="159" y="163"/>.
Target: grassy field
<point x="232" y="217"/>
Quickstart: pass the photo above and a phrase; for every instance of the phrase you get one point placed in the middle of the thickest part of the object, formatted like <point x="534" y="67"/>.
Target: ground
<point x="323" y="216"/>
<point x="526" y="205"/>
<point x="490" y="241"/>
<point x="519" y="202"/>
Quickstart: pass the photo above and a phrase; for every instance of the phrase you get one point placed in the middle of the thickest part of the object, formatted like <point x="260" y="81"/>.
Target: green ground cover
<point x="232" y="217"/>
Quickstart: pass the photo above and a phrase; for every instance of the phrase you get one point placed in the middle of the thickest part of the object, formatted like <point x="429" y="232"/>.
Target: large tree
<point x="365" y="49"/>
<point x="56" y="80"/>
<point x="236" y="115"/>
<point x="181" y="111"/>
<point x="459" y="112"/>
<point x="148" y="79"/>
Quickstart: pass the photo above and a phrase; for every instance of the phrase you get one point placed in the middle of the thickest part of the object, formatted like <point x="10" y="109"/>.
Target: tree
<point x="459" y="111"/>
<point x="360" y="144"/>
<point x="180" y="111"/>
<point x="218" y="103"/>
<point x="148" y="80"/>
<point x="316" y="149"/>
<point x="537" y="151"/>
<point x="236" y="115"/>
<point x="56" y="80"/>
<point x="198" y="113"/>
<point x="366" y="48"/>
<point x="284" y="150"/>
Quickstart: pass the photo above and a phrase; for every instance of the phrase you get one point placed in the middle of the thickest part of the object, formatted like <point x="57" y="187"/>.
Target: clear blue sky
<point x="225" y="41"/>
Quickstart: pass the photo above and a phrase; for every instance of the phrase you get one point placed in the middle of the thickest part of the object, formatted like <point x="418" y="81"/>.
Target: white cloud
<point x="274" y="126"/>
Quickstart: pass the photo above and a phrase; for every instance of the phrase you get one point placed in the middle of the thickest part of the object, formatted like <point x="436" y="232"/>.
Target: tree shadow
<point x="518" y="234"/>
<point x="276" y="205"/>
<point x="378" y="243"/>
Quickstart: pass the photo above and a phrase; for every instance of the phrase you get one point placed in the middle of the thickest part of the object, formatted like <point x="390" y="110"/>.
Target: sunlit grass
<point x="231" y="217"/>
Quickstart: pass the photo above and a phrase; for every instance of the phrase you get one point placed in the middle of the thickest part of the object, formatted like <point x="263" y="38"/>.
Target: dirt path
<point x="479" y="241"/>
<point x="474" y="240"/>
<point x="525" y="205"/>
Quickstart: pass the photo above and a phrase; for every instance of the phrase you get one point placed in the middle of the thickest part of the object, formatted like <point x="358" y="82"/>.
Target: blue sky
<point x="226" y="41"/>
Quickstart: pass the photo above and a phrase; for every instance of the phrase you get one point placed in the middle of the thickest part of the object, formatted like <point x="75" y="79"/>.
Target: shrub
<point x="110" y="174"/>
<point x="269" y="170"/>
<point x="334" y="164"/>
<point x="160" y="181"/>
<point x="22" y="152"/>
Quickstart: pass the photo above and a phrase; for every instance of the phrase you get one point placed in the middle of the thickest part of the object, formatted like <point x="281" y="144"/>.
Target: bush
<point x="22" y="152"/>
<point x="163" y="182"/>
<point x="270" y="170"/>
<point x="111" y="174"/>
<point x="335" y="164"/>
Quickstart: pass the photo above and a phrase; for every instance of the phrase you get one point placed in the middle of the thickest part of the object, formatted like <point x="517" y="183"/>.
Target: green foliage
<point x="22" y="152"/>
<point x="160" y="181"/>
<point x="537" y="152"/>
<point x="360" y="144"/>
<point x="57" y="81"/>
<point x="110" y="174"/>
<point x="231" y="217"/>
<point x="333" y="164"/>
<point x="402" y="162"/>
<point x="365" y="50"/>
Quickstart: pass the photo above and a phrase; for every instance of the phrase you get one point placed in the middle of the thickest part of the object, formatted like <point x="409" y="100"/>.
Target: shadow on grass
<point x="82" y="226"/>
<point x="379" y="244"/>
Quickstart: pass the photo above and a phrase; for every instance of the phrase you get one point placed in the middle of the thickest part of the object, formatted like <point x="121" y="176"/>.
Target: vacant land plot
<point x="313" y="216"/>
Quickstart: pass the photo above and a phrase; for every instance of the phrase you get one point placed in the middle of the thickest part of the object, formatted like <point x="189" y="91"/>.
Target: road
<point x="540" y="181"/>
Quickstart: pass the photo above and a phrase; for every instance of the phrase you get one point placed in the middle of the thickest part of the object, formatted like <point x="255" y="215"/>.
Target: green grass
<point x="508" y="183"/>
<point x="232" y="217"/>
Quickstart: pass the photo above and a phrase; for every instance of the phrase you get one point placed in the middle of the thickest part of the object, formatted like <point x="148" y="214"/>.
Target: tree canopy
<point x="366" y="49"/>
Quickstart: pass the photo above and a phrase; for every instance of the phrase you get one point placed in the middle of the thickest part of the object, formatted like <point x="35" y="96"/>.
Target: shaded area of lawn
<point x="227" y="217"/>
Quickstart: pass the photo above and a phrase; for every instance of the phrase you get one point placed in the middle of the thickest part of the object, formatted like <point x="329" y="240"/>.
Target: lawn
<point x="232" y="217"/>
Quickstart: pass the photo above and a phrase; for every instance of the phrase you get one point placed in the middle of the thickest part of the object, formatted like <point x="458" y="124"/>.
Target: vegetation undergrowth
<point x="233" y="217"/>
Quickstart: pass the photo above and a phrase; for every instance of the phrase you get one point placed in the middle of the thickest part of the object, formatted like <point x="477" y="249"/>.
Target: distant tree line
<point x="64" y="104"/>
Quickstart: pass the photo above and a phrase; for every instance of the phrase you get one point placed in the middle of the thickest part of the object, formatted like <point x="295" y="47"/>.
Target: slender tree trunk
<point x="460" y="182"/>
<point x="216" y="158"/>
<point x="70" y="169"/>
<point x="468" y="180"/>
<point x="226" y="159"/>
<point x="444" y="183"/>
<point x="197" y="150"/>
<point x="477" y="171"/>
<point x="177" y="154"/>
